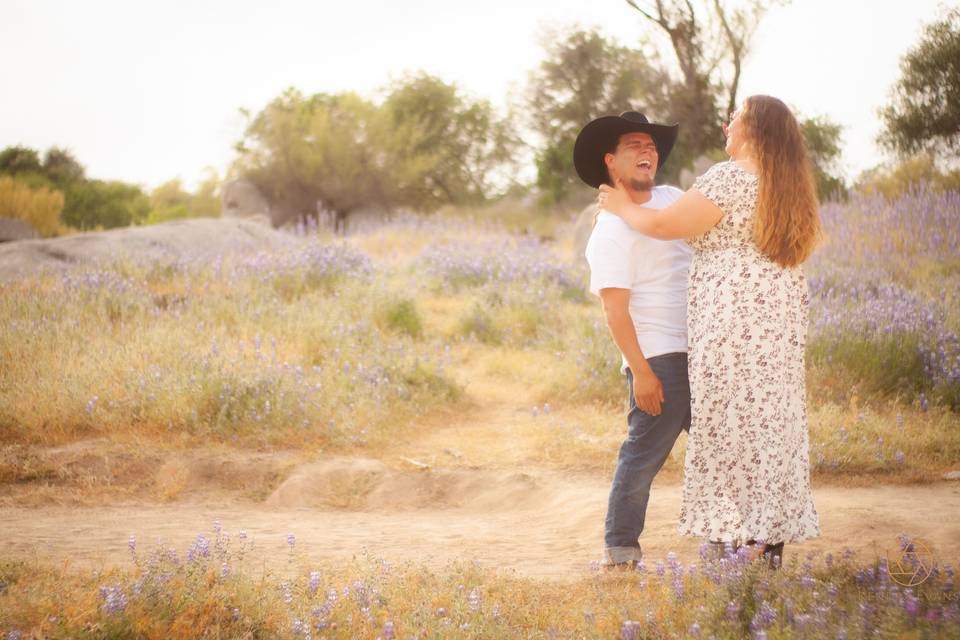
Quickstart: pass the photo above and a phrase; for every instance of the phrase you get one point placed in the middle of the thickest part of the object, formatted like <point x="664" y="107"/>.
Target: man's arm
<point x="647" y="390"/>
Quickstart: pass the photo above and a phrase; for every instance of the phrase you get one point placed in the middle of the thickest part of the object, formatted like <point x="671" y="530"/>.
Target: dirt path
<point x="537" y="524"/>
<point x="479" y="499"/>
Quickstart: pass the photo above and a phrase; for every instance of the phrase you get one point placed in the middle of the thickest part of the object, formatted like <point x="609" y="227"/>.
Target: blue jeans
<point x="649" y="441"/>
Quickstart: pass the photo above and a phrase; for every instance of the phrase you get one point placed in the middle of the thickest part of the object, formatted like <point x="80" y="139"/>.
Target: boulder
<point x="13" y="229"/>
<point x="193" y="239"/>
<point x="582" y="228"/>
<point x="242" y="199"/>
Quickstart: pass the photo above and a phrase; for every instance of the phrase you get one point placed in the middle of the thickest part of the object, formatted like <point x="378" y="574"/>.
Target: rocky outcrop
<point x="189" y="239"/>
<point x="242" y="199"/>
<point x="13" y="229"/>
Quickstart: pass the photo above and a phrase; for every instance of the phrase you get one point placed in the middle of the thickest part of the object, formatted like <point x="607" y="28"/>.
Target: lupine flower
<point x="291" y="539"/>
<point x="314" y="581"/>
<point x="733" y="610"/>
<point x="389" y="633"/>
<point x="764" y="617"/>
<point x="630" y="630"/>
<point x="911" y="604"/>
<point x="114" y="600"/>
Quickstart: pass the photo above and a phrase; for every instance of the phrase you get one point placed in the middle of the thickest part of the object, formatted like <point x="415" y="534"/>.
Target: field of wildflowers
<point x="217" y="588"/>
<point x="886" y="290"/>
<point x="355" y="344"/>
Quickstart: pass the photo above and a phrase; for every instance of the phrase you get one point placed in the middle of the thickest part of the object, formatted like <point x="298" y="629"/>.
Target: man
<point x="642" y="284"/>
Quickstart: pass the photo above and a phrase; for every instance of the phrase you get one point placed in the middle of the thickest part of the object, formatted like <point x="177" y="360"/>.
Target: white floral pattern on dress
<point x="747" y="466"/>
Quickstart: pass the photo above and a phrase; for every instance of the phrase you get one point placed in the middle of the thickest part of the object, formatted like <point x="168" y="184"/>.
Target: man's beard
<point x="641" y="185"/>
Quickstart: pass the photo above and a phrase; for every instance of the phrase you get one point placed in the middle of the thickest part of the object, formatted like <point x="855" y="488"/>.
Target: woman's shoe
<point x="773" y="553"/>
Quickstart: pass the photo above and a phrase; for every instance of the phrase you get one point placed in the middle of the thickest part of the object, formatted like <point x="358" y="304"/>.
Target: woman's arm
<point x="692" y="215"/>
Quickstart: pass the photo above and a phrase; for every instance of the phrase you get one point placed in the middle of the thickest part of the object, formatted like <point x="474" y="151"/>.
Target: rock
<point x="242" y="199"/>
<point x="951" y="475"/>
<point x="13" y="229"/>
<point x="581" y="231"/>
<point x="189" y="239"/>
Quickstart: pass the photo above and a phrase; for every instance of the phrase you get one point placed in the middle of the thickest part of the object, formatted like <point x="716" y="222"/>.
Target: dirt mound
<point x="194" y="239"/>
<point x="362" y="484"/>
<point x="97" y="470"/>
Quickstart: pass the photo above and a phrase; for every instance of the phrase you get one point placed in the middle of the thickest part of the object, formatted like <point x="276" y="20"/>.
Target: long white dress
<point x="747" y="467"/>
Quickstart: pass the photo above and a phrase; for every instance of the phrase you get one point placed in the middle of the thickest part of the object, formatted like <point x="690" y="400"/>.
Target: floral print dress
<point x="747" y="467"/>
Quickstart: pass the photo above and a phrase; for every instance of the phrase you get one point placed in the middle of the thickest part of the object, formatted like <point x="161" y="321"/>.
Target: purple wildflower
<point x="630" y="630"/>
<point x="389" y="632"/>
<point x="114" y="600"/>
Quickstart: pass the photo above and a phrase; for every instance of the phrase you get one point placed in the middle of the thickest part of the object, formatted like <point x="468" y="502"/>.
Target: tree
<point x="18" y="159"/>
<point x="170" y="201"/>
<point x="823" y="138"/>
<point x="443" y="148"/>
<point x="95" y="203"/>
<point x="38" y="207"/>
<point x="427" y="145"/>
<point x="62" y="168"/>
<point x="326" y="151"/>
<point x="704" y="36"/>
<point x="924" y="114"/>
<point x="894" y="180"/>
<point x="585" y="76"/>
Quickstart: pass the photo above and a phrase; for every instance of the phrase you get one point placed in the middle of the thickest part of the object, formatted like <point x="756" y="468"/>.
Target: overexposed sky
<point x="145" y="91"/>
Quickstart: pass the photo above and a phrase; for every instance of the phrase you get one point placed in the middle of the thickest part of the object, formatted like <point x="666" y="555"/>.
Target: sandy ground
<point x="536" y="523"/>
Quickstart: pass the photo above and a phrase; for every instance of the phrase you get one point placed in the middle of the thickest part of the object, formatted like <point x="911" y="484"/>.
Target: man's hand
<point x="647" y="391"/>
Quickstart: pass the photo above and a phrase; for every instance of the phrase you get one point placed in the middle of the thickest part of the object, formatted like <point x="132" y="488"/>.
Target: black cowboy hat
<point x="600" y="136"/>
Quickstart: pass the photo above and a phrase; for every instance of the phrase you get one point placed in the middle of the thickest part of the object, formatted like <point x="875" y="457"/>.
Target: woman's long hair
<point x="786" y="226"/>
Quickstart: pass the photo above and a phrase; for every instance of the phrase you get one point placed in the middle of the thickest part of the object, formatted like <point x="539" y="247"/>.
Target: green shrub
<point x="403" y="317"/>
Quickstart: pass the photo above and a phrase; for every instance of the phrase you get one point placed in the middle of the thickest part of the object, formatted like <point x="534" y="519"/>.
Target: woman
<point x="752" y="221"/>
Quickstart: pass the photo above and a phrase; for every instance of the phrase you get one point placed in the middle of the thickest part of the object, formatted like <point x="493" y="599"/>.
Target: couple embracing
<point x="706" y="299"/>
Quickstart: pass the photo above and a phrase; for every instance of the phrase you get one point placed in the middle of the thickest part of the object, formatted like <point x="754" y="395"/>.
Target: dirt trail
<point x="552" y="532"/>
<point x="501" y="512"/>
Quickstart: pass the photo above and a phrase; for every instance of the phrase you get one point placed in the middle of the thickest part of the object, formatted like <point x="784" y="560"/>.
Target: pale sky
<point x="146" y="91"/>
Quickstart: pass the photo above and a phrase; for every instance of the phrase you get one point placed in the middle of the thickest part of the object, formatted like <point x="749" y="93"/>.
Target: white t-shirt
<point x="655" y="271"/>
